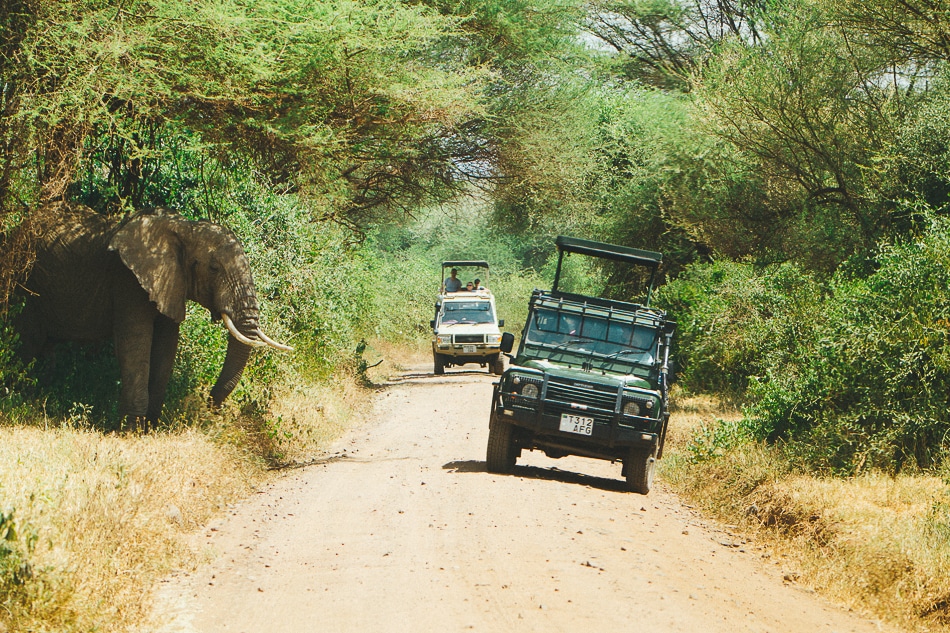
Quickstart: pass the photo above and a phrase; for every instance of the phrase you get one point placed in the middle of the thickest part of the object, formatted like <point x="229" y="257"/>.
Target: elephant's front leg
<point x="134" y="324"/>
<point x="164" y="347"/>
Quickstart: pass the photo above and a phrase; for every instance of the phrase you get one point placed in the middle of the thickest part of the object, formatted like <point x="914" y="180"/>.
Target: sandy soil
<point x="402" y="529"/>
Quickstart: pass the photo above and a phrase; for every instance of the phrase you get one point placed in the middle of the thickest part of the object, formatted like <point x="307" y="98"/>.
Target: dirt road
<point x="402" y="529"/>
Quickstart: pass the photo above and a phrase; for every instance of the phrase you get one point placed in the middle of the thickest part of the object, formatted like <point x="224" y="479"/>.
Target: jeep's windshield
<point x="602" y="339"/>
<point x="467" y="312"/>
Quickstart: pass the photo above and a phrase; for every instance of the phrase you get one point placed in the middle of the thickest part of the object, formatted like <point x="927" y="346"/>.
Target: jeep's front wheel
<point x="502" y="453"/>
<point x="639" y="468"/>
<point x="439" y="362"/>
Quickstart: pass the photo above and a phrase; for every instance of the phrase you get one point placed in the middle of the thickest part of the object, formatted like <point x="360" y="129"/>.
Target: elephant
<point x="95" y="278"/>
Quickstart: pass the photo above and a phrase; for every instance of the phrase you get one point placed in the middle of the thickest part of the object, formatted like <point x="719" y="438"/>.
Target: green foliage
<point x="851" y="378"/>
<point x="734" y="322"/>
<point x="15" y="376"/>
<point x="715" y="440"/>
<point x="873" y="387"/>
<point x="410" y="258"/>
<point x="360" y="107"/>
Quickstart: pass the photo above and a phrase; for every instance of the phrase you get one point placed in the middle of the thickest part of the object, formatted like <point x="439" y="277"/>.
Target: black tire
<point x="640" y="468"/>
<point x="439" y="362"/>
<point x="502" y="453"/>
<point x="497" y="365"/>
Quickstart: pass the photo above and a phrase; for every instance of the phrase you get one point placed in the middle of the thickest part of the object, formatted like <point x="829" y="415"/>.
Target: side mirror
<point x="432" y="324"/>
<point x="501" y="323"/>
<point x="507" y="342"/>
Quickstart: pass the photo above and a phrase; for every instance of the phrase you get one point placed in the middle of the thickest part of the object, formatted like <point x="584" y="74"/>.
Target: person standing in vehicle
<point x="453" y="283"/>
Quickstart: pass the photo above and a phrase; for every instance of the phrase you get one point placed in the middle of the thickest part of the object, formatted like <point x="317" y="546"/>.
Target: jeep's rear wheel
<point x="502" y="453"/>
<point x="640" y="467"/>
<point x="439" y="362"/>
<point x="497" y="365"/>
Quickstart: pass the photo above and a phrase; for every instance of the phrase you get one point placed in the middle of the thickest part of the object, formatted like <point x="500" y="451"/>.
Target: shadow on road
<point x="546" y="474"/>
<point x="420" y="377"/>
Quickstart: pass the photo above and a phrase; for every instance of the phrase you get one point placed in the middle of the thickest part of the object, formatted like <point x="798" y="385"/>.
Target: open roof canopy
<point x="601" y="250"/>
<point x="456" y="263"/>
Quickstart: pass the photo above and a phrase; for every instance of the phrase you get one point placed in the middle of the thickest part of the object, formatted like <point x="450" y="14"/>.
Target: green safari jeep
<point x="590" y="377"/>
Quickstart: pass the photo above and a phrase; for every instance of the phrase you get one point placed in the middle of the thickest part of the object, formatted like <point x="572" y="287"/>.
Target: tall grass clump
<point x="91" y="521"/>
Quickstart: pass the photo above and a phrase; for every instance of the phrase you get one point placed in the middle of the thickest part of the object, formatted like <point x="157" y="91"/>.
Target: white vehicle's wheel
<point x="439" y="362"/>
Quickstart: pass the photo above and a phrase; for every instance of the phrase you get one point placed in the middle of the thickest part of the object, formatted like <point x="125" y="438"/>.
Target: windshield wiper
<point x="621" y="352"/>
<point x="572" y="341"/>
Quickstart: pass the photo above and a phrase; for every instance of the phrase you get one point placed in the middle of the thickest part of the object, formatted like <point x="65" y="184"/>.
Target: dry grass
<point x="100" y="519"/>
<point x="875" y="543"/>
<point x="305" y="419"/>
<point x="108" y="514"/>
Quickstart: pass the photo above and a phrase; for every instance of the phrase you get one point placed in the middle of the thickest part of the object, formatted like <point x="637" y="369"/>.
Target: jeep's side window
<point x="595" y="329"/>
<point x="570" y="324"/>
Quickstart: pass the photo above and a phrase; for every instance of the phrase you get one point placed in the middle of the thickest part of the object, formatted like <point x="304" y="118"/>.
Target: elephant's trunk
<point x="234" y="362"/>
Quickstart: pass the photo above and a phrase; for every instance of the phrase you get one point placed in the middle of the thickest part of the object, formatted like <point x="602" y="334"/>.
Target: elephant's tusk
<point x="272" y="343"/>
<point x="236" y="334"/>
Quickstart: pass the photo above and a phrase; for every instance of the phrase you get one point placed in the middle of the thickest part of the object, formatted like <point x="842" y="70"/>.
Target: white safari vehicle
<point x="466" y="326"/>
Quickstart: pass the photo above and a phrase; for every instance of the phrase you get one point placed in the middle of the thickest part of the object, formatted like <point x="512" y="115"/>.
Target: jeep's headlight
<point x="445" y="339"/>
<point x="631" y="408"/>
<point x="493" y="339"/>
<point x="526" y="387"/>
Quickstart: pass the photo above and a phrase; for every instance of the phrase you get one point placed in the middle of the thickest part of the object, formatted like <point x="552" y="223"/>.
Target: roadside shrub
<point x="871" y="386"/>
<point x="734" y="323"/>
<point x="15" y="377"/>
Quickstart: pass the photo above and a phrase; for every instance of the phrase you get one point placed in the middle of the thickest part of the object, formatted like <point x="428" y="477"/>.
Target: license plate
<point x="577" y="424"/>
<point x="468" y="349"/>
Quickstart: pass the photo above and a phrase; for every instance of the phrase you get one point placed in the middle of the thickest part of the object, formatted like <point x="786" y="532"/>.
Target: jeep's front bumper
<point x="606" y="430"/>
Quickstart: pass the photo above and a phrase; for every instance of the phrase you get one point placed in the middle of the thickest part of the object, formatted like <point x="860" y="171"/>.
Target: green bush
<point x="735" y="322"/>
<point x="849" y="377"/>
<point x="873" y="386"/>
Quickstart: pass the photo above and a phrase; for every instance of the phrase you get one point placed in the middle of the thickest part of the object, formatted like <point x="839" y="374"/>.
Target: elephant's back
<point x="70" y="282"/>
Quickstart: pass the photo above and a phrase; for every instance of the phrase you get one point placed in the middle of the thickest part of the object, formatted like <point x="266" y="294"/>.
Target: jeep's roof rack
<point x="602" y="250"/>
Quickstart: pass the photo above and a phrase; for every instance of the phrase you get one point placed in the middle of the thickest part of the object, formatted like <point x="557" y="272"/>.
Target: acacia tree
<point x="354" y="105"/>
<point x="814" y="110"/>
<point x="663" y="42"/>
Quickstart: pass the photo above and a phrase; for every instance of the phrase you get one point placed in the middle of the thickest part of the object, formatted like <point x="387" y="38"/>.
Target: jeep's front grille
<point x="469" y="338"/>
<point x="580" y="398"/>
<point x="590" y="395"/>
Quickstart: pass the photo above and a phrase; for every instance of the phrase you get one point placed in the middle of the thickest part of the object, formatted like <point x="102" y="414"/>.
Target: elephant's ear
<point x="152" y="249"/>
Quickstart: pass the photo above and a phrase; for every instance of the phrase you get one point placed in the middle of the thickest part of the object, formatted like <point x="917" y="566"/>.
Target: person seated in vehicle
<point x="453" y="283"/>
<point x="469" y="286"/>
<point x="570" y="324"/>
<point x="478" y="284"/>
